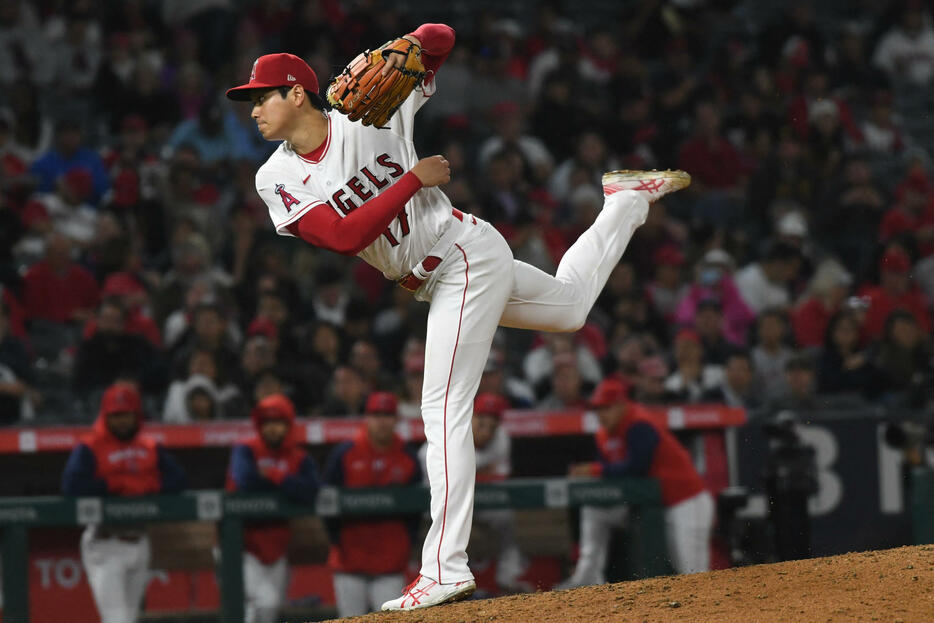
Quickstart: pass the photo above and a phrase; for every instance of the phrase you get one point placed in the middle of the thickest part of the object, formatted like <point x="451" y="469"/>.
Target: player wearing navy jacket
<point x="118" y="459"/>
<point x="273" y="460"/>
<point x="630" y="443"/>
<point x="369" y="555"/>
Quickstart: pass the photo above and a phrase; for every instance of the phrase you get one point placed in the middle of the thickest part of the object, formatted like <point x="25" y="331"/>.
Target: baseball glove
<point x="362" y="93"/>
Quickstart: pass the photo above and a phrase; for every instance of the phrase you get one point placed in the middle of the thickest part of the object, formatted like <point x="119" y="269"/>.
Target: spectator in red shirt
<point x="712" y="161"/>
<point x="56" y="288"/>
<point x="895" y="291"/>
<point x="913" y="215"/>
<point x="825" y="294"/>
<point x="369" y="555"/>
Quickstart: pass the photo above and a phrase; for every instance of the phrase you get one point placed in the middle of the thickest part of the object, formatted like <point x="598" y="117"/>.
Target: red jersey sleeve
<point x="322" y="227"/>
<point x="437" y="41"/>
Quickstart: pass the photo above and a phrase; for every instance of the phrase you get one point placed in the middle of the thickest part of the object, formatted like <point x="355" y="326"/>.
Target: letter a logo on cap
<point x="253" y="71"/>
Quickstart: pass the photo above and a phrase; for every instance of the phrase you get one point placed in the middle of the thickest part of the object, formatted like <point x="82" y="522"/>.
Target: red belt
<point x="413" y="282"/>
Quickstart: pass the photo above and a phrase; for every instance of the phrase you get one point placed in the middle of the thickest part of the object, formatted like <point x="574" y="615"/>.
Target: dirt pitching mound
<point x="891" y="585"/>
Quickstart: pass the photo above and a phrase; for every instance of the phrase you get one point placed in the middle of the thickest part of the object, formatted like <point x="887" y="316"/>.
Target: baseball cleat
<point x="424" y="592"/>
<point x="653" y="185"/>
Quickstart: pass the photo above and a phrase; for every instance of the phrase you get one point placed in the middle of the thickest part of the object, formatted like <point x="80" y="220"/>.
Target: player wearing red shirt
<point x="630" y="443"/>
<point x="369" y="555"/>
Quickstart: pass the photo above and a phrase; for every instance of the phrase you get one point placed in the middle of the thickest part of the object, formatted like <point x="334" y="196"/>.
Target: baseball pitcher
<point x="352" y="183"/>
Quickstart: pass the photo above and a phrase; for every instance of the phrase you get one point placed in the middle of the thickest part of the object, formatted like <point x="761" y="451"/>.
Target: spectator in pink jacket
<point x="714" y="279"/>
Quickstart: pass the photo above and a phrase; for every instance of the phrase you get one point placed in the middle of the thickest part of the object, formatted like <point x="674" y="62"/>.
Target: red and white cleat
<point x="652" y="184"/>
<point x="424" y="592"/>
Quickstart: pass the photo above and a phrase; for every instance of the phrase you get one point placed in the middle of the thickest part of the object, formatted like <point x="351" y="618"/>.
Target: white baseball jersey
<point x="477" y="286"/>
<point x="357" y="164"/>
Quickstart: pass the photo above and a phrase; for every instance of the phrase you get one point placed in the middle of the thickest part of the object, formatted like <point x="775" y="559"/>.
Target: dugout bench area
<point x="190" y="543"/>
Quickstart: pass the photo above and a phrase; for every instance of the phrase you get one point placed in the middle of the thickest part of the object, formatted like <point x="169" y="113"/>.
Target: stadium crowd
<point x="797" y="269"/>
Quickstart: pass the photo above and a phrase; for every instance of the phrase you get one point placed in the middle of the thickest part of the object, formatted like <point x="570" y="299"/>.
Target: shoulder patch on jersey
<point x="288" y="200"/>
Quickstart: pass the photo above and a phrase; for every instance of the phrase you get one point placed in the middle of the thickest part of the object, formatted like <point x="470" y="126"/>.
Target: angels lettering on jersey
<point x="362" y="186"/>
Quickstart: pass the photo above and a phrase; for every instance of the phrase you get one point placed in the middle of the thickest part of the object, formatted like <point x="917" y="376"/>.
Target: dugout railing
<point x="231" y="510"/>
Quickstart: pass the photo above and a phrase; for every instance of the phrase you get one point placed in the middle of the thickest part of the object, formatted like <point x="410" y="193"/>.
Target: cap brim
<point x="242" y="93"/>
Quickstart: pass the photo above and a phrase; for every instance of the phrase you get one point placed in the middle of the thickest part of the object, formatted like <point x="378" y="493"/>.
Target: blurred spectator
<point x="77" y="58"/>
<point x="413" y="376"/>
<point x="716" y="168"/>
<point x="567" y="388"/>
<point x="771" y="354"/>
<point x="765" y="283"/>
<point x="16" y="396"/>
<point x="191" y="261"/>
<point x="851" y="208"/>
<point x="713" y="279"/>
<point x="649" y="386"/>
<point x="843" y="366"/>
<point x="660" y="234"/>
<point x="799" y="388"/>
<point x="668" y="287"/>
<point x="369" y="555"/>
<point x="895" y="291"/>
<point x="135" y="300"/>
<point x="70" y="153"/>
<point x="630" y="444"/>
<point x="273" y="460"/>
<point x="906" y="51"/>
<point x="538" y="364"/>
<point x="853" y="73"/>
<point x="708" y="323"/>
<point x="912" y="218"/>
<point x="346" y="394"/>
<point x="58" y="290"/>
<point x="508" y="122"/>
<point x="824" y="297"/>
<point x="209" y="135"/>
<point x="112" y="353"/>
<point x="903" y="361"/>
<point x="24" y="48"/>
<point x="68" y="209"/>
<point x="738" y="387"/>
<point x="118" y="459"/>
<point x="497" y="379"/>
<point x="202" y="394"/>
<point x="591" y="160"/>
<point x="330" y="298"/>
<point x="494" y="464"/>
<point x="365" y="360"/>
<point x="209" y="332"/>
<point x="881" y="133"/>
<point x="691" y="378"/>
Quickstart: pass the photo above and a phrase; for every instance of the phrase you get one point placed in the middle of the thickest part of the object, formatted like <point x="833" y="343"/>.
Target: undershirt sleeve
<point x="323" y="227"/>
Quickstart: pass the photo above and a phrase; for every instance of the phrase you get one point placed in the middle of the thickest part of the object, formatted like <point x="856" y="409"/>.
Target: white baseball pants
<point x="264" y="588"/>
<point x="357" y="594"/>
<point x="118" y="572"/>
<point x="478" y="287"/>
<point x="688" y="528"/>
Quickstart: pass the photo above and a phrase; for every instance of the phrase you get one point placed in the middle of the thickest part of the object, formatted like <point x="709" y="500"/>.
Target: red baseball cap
<point x="276" y="70"/>
<point x="121" y="398"/>
<point x="274" y="406"/>
<point x="668" y="255"/>
<point x="609" y="392"/>
<point x="382" y="403"/>
<point x="490" y="404"/>
<point x="895" y="260"/>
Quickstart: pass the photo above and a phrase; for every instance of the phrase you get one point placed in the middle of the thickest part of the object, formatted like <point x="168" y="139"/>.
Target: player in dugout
<point x="272" y="460"/>
<point x="118" y="459"/>
<point x="363" y="191"/>
<point x="369" y="555"/>
<point x="630" y="443"/>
